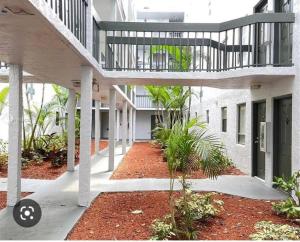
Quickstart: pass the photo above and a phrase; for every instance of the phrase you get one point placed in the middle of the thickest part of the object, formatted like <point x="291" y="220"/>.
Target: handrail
<point x="252" y="41"/>
<point x="198" y="27"/>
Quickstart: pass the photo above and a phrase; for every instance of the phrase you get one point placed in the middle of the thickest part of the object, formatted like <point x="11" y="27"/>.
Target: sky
<point x="198" y="11"/>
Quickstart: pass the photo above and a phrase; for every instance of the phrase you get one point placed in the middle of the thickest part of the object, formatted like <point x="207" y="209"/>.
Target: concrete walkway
<point x="244" y="186"/>
<point x="58" y="199"/>
<point x="28" y="185"/>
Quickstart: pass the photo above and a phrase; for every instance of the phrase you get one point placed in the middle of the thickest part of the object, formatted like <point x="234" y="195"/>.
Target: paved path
<point x="244" y="186"/>
<point x="28" y="185"/>
<point x="58" y="199"/>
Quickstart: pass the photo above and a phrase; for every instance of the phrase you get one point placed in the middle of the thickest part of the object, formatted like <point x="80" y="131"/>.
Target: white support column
<point x="71" y="130"/>
<point x="85" y="136"/>
<point x="15" y="134"/>
<point x="118" y="126"/>
<point x="269" y="154"/>
<point x="134" y="125"/>
<point x="97" y="126"/>
<point x="112" y="116"/>
<point x="124" y="127"/>
<point x="130" y="126"/>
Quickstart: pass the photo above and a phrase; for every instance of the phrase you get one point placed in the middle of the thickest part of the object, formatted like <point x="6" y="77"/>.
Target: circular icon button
<point x="27" y="213"/>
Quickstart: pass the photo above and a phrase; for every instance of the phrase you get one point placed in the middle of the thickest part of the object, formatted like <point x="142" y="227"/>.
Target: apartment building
<point x="257" y="120"/>
<point x="93" y="48"/>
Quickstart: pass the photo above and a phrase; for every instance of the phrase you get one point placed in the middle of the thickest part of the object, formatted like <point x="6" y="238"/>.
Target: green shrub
<point x="3" y="147"/>
<point x="198" y="207"/>
<point x="3" y="161"/>
<point x="3" y="155"/>
<point x="266" y="230"/>
<point x="50" y="143"/>
<point x="162" y="229"/>
<point x="188" y="209"/>
<point x="162" y="135"/>
<point x="289" y="207"/>
<point x="60" y="159"/>
<point x="25" y="162"/>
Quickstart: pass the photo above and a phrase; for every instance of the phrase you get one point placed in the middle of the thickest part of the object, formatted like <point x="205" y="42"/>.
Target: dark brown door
<point x="283" y="137"/>
<point x="259" y="115"/>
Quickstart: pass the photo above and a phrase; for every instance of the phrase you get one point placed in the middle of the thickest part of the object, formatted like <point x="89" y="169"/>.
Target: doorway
<point x="259" y="116"/>
<point x="282" y="137"/>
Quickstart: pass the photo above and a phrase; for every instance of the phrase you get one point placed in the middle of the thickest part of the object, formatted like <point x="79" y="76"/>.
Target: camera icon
<point x="27" y="213"/>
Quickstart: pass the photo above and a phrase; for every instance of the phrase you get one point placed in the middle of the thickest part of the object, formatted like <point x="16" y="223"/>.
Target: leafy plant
<point x="289" y="207"/>
<point x="3" y="155"/>
<point x="162" y="135"/>
<point x="188" y="209"/>
<point x="162" y="229"/>
<point x="266" y="230"/>
<point x="60" y="158"/>
<point x="3" y="96"/>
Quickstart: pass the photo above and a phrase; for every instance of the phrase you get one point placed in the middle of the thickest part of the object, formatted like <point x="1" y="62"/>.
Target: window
<point x="241" y="123"/>
<point x="224" y="119"/>
<point x="207" y="116"/>
<point x="57" y="119"/>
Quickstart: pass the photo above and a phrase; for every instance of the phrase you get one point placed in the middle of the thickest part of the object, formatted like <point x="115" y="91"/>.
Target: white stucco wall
<point x="214" y="99"/>
<point x="143" y="125"/>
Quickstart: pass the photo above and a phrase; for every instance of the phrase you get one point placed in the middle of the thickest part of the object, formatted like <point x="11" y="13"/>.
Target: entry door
<point x="283" y="137"/>
<point x="259" y="115"/>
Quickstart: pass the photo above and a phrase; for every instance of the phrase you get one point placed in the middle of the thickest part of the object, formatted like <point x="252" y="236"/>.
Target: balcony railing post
<point x="89" y="25"/>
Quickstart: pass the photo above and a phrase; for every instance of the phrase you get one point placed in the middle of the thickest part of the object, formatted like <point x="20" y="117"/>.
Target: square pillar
<point x="124" y="127"/>
<point x="130" y="126"/>
<point x="112" y="119"/>
<point x="71" y="109"/>
<point x="14" y="134"/>
<point x="133" y="124"/>
<point x="85" y="136"/>
<point x="97" y="126"/>
<point x="269" y="155"/>
<point x="118" y="126"/>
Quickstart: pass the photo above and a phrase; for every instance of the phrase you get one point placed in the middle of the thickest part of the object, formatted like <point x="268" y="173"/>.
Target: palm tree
<point x="3" y="96"/>
<point x="59" y="102"/>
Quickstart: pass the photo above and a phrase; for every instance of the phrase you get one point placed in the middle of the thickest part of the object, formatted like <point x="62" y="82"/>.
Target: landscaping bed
<point x="145" y="160"/>
<point x="3" y="196"/>
<point x="45" y="170"/>
<point x="110" y="217"/>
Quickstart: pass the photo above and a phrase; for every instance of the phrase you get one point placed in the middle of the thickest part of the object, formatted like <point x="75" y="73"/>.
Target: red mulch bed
<point x="46" y="171"/>
<point x="3" y="198"/>
<point x="110" y="217"/>
<point x="145" y="160"/>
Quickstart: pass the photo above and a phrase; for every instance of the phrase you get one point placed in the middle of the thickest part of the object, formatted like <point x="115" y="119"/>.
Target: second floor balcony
<point x="68" y="34"/>
<point x="258" y="40"/>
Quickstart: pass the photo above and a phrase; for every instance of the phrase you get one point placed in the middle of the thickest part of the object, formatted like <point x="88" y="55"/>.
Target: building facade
<point x="248" y="68"/>
<point x="258" y="122"/>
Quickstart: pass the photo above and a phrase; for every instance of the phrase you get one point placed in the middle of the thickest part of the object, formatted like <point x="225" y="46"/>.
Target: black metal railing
<point x="263" y="39"/>
<point x="96" y="40"/>
<point x="73" y="13"/>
